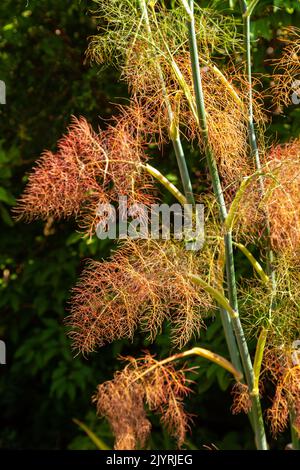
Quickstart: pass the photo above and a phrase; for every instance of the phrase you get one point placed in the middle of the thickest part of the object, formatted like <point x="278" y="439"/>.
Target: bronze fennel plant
<point x="179" y="66"/>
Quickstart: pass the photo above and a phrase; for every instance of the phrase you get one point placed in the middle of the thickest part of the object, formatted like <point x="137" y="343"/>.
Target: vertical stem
<point x="294" y="434"/>
<point x="255" y="154"/>
<point x="165" y="182"/>
<point x="202" y="117"/>
<point x="226" y="320"/>
<point x="176" y="141"/>
<point x="231" y="282"/>
<point x="186" y="182"/>
<point x="252" y="135"/>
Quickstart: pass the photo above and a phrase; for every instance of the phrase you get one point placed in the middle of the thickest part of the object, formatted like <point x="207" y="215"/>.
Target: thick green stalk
<point x="259" y="354"/>
<point x="230" y="271"/>
<point x="175" y="137"/>
<point x="230" y="338"/>
<point x="99" y="443"/>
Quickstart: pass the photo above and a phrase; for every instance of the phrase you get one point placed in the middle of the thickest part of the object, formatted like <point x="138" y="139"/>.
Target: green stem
<point x="214" y="293"/>
<point x="294" y="434"/>
<point x="259" y="353"/>
<point x="246" y="13"/>
<point x="255" y="264"/>
<point x="205" y="353"/>
<point x="230" y="271"/>
<point x="165" y="182"/>
<point x="226" y="321"/>
<point x="176" y="141"/>
<point x="202" y="117"/>
<point x="183" y="170"/>
<point x="230" y="339"/>
<point x="233" y="210"/>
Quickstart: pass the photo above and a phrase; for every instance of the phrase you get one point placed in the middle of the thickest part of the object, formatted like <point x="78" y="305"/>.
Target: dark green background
<point x="42" y="387"/>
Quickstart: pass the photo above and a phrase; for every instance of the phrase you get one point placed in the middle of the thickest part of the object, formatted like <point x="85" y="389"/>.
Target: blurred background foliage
<point x="43" y="387"/>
